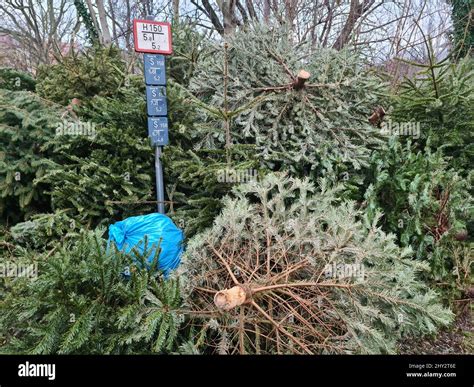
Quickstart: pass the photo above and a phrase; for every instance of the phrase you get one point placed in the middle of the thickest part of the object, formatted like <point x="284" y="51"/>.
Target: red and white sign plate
<point x="152" y="37"/>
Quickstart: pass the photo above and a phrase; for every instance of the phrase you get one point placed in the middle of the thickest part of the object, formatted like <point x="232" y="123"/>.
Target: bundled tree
<point x="88" y="299"/>
<point x="97" y="71"/>
<point x="425" y="203"/>
<point x="27" y="123"/>
<point x="439" y="99"/>
<point x="426" y="195"/>
<point x="262" y="103"/>
<point x="286" y="270"/>
<point x="107" y="180"/>
<point x="56" y="162"/>
<point x="305" y="110"/>
<point x="109" y="175"/>
<point x="96" y="151"/>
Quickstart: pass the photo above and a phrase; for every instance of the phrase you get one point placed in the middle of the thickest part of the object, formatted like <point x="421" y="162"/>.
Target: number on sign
<point x="158" y="130"/>
<point x="152" y="37"/>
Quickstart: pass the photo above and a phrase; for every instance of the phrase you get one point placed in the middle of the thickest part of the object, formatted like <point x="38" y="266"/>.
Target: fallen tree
<point x="271" y="276"/>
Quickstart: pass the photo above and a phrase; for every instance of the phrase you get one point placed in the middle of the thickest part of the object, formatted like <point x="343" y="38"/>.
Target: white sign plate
<point x="152" y="37"/>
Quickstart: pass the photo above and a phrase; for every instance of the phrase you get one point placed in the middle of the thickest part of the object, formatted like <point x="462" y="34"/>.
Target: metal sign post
<point x="154" y="39"/>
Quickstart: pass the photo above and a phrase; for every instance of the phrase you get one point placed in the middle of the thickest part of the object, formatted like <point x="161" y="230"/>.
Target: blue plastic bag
<point x="160" y="231"/>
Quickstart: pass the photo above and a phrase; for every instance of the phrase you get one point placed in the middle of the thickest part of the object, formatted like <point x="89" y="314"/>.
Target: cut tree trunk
<point x="230" y="298"/>
<point x="300" y="80"/>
